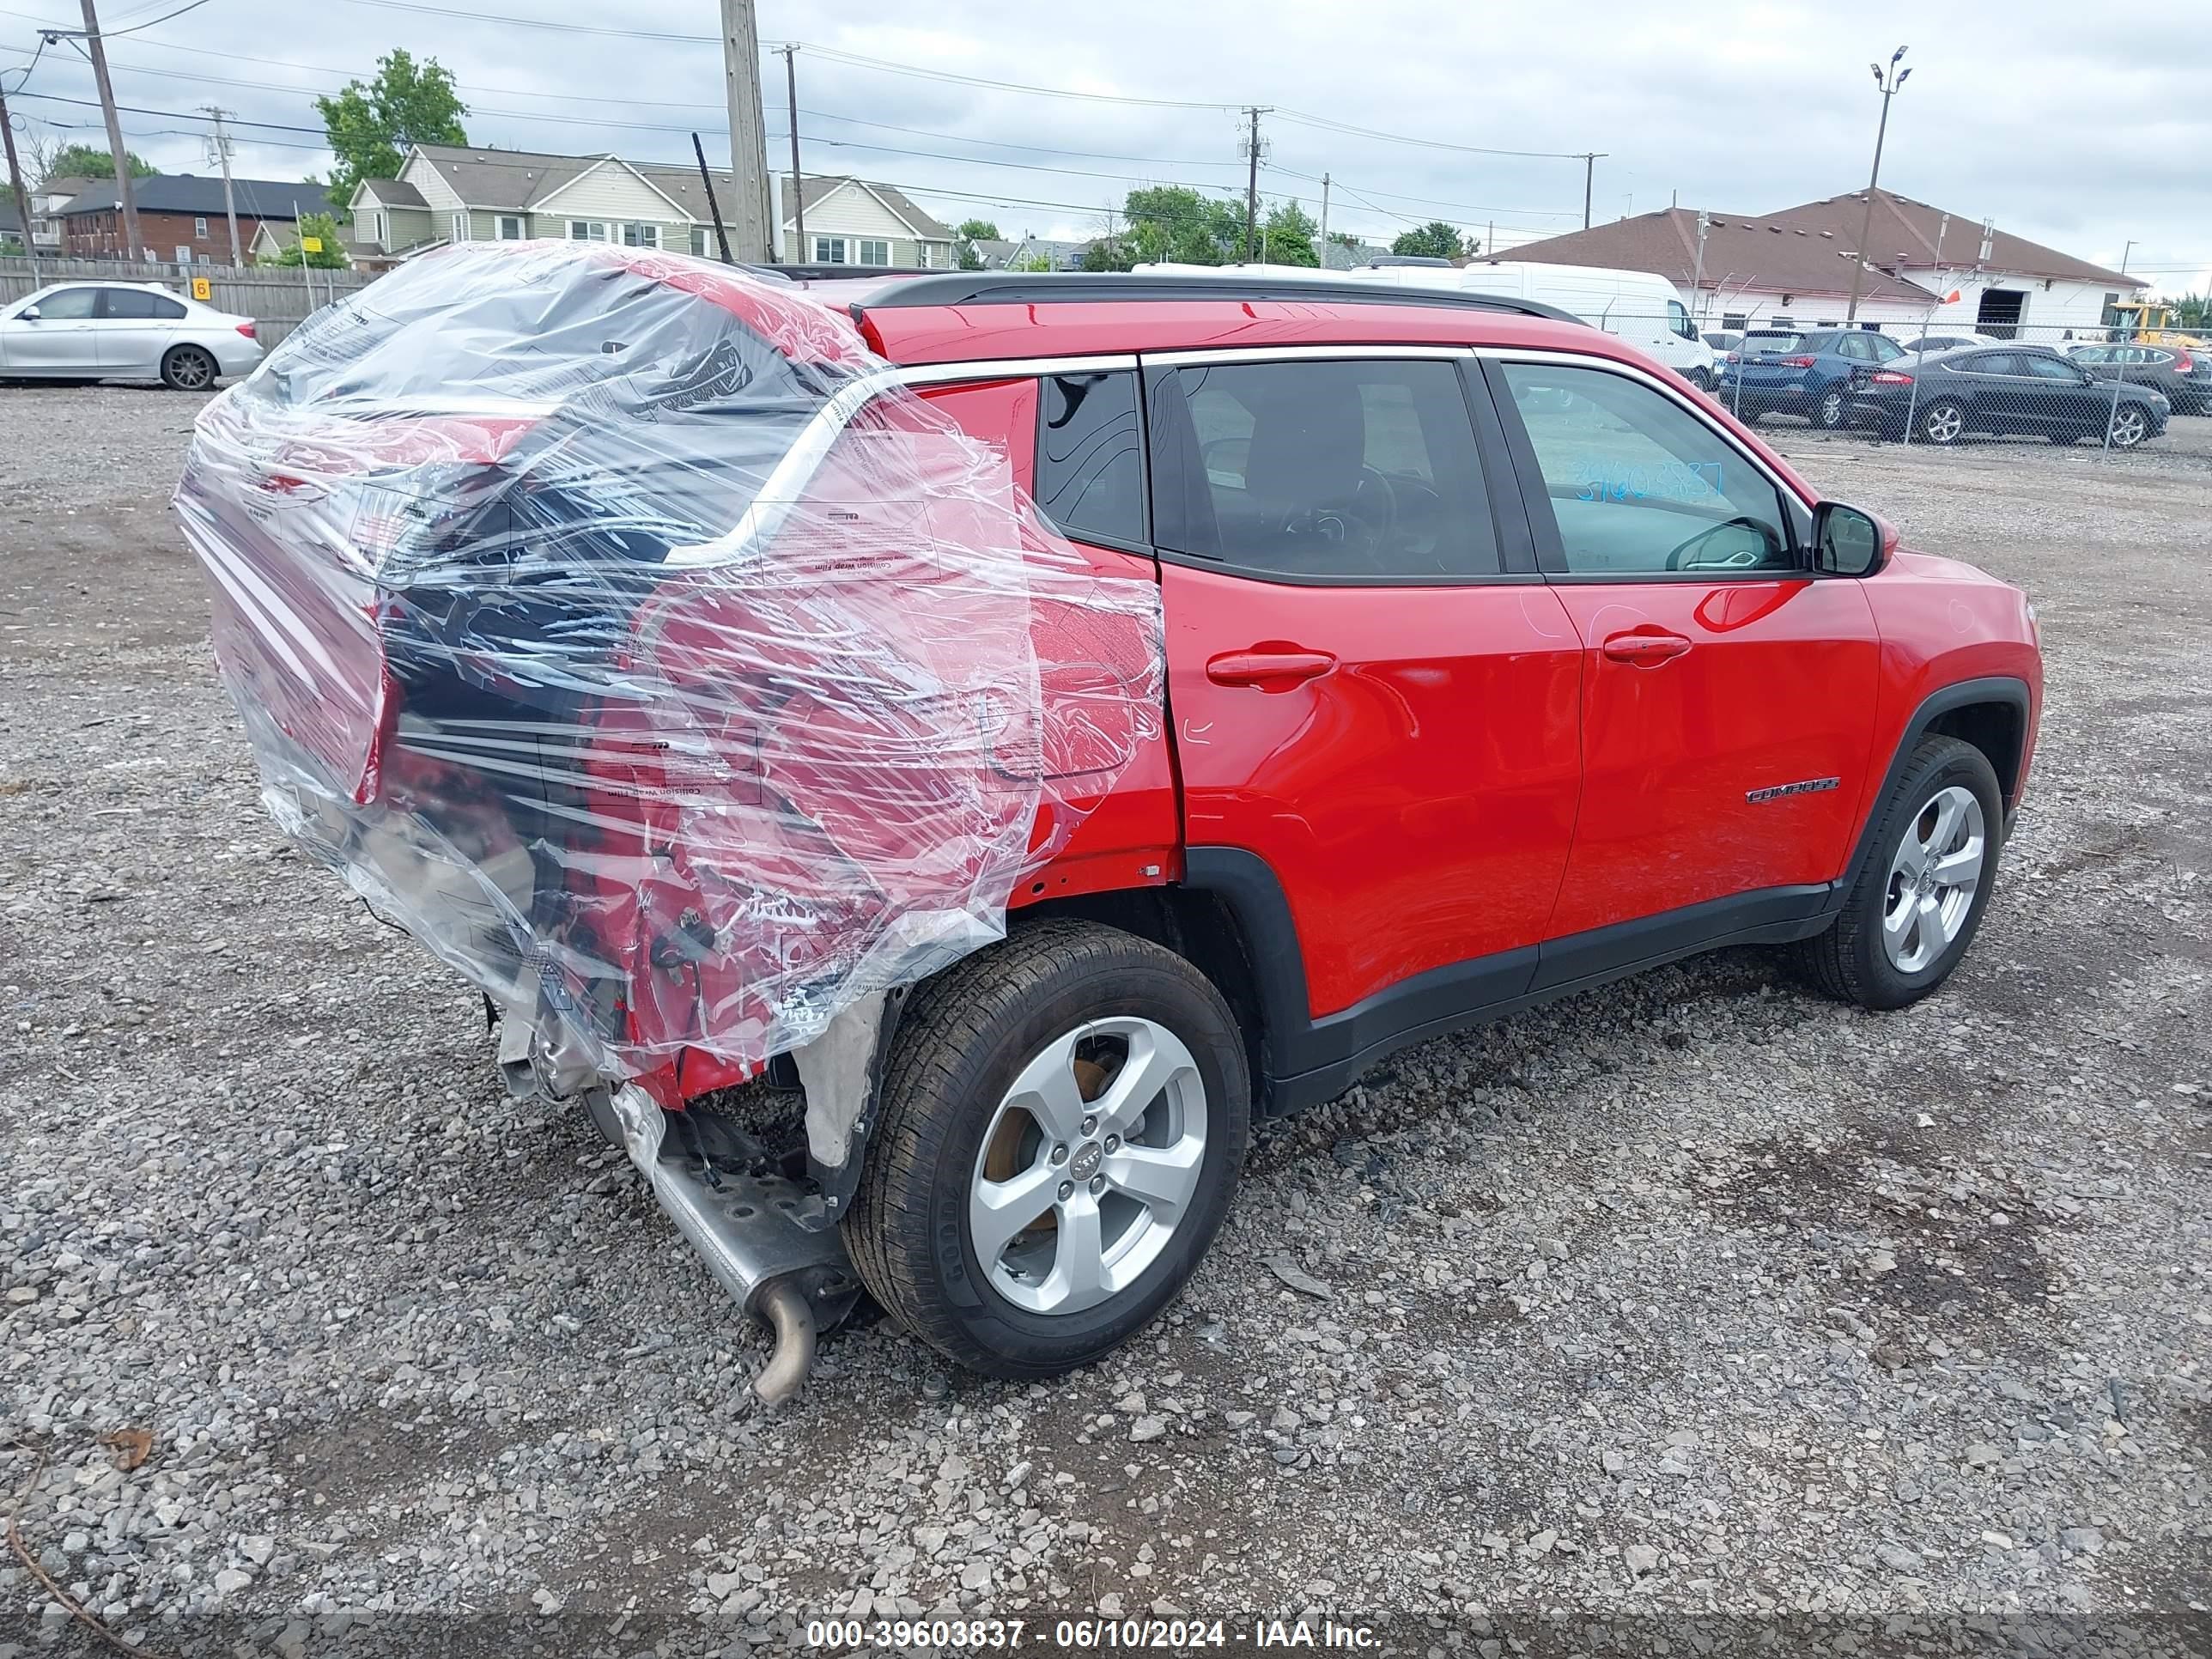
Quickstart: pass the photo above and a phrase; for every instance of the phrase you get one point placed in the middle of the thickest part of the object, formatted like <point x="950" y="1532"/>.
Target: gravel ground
<point x="1692" y="1296"/>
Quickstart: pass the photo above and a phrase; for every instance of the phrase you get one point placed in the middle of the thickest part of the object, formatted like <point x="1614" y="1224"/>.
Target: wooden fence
<point x="278" y="301"/>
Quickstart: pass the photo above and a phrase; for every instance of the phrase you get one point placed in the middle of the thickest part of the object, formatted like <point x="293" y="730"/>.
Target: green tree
<point x="1434" y="240"/>
<point x="1288" y="237"/>
<point x="325" y="229"/>
<point x="370" y="127"/>
<point x="94" y="161"/>
<point x="1032" y="262"/>
<point x="978" y="230"/>
<point x="1108" y="254"/>
<point x="1344" y="238"/>
<point x="1175" y="222"/>
<point x="2192" y="311"/>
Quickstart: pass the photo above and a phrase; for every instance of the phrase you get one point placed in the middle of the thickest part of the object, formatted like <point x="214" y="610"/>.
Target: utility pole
<point x="2124" y="252"/>
<point x="1889" y="83"/>
<point x="1697" y="275"/>
<point x="1590" y="159"/>
<point x="797" y="255"/>
<point x="126" y="193"/>
<point x="222" y="142"/>
<point x="713" y="207"/>
<point x="22" y="196"/>
<point x="1324" y="226"/>
<point x="749" y="217"/>
<point x="1251" y="178"/>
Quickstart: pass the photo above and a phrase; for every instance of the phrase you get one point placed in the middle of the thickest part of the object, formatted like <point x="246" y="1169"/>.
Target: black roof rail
<point x="1025" y="288"/>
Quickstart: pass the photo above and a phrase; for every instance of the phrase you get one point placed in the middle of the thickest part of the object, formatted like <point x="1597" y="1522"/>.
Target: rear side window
<point x="133" y="302"/>
<point x="1773" y="342"/>
<point x="1090" y="456"/>
<point x="1346" y="472"/>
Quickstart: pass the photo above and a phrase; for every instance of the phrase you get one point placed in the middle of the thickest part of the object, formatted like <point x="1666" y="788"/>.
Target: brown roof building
<point x="1794" y="266"/>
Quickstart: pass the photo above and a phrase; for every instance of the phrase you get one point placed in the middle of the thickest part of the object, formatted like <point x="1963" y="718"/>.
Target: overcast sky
<point x="2039" y="115"/>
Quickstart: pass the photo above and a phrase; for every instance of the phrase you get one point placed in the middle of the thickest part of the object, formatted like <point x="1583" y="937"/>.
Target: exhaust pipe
<point x="745" y="1226"/>
<point x="792" y="1317"/>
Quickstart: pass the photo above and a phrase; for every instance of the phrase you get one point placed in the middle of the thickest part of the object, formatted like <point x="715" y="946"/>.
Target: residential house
<point x="48" y="197"/>
<point x="991" y="253"/>
<point x="1028" y="253"/>
<point x="858" y="221"/>
<point x="449" y="193"/>
<point x="1794" y="267"/>
<point x="1336" y="256"/>
<point x="181" y="217"/>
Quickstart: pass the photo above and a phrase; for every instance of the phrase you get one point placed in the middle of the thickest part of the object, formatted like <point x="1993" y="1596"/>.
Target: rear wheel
<point x="188" y="369"/>
<point x="1063" y="1123"/>
<point x="1828" y="412"/>
<point x="2130" y="427"/>
<point x="1943" y="422"/>
<point x="1914" y="905"/>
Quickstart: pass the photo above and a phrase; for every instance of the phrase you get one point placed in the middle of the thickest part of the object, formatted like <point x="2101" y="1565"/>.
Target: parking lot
<point x="1692" y="1295"/>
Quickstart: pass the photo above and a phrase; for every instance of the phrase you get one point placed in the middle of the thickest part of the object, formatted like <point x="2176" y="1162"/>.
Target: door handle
<point x="1644" y="650"/>
<point x="1269" y="667"/>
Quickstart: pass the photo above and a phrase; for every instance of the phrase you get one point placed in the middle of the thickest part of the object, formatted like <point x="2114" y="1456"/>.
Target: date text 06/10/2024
<point x="1083" y="1635"/>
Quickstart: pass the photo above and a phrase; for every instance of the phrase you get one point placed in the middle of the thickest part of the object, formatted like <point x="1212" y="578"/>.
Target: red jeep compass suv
<point x="1499" y="664"/>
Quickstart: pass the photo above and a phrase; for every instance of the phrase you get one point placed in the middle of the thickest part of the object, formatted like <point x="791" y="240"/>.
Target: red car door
<point x="1367" y="695"/>
<point x="1728" y="698"/>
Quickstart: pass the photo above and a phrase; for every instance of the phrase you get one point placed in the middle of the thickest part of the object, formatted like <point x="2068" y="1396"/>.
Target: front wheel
<point x="188" y="369"/>
<point x="1702" y="379"/>
<point x="1063" y="1123"/>
<point x="2130" y="427"/>
<point x="1828" y="412"/>
<point x="1914" y="905"/>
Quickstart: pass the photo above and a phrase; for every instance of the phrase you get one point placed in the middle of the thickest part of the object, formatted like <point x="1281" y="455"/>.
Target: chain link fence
<point x="1943" y="387"/>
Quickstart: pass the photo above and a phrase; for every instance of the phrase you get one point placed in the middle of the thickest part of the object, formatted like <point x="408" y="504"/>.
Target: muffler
<point x="744" y="1225"/>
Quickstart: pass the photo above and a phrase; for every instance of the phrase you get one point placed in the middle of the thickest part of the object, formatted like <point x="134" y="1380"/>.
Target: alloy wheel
<point x="1933" y="878"/>
<point x="1091" y="1162"/>
<point x="190" y="371"/>
<point x="1832" y="409"/>
<point x="1944" y="424"/>
<point x="2129" y="429"/>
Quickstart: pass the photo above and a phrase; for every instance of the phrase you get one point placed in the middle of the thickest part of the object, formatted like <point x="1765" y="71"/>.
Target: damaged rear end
<point x="619" y="626"/>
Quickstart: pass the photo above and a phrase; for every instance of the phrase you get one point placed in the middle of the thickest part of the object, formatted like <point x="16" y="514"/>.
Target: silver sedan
<point x="123" y="331"/>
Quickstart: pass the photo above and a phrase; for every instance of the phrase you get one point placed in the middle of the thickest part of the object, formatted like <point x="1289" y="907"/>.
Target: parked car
<point x="1807" y="373"/>
<point x="85" y="332"/>
<point x="1502" y="665"/>
<point x="2010" y="391"/>
<point x="1723" y="341"/>
<point x="2184" y="375"/>
<point x="1929" y="344"/>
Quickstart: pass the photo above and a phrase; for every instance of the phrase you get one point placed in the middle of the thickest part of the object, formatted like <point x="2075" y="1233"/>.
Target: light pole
<point x="1889" y="84"/>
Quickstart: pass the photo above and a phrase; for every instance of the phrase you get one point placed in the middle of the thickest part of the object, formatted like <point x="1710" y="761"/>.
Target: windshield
<point x="1678" y="318"/>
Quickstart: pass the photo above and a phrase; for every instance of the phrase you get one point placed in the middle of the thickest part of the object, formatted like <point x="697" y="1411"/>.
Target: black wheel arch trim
<point x="2002" y="688"/>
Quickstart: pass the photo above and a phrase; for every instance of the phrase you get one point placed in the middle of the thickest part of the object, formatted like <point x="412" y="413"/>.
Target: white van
<point x="1638" y="307"/>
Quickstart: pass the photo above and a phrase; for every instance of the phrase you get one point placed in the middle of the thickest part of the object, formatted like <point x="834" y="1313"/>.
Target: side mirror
<point x="1847" y="541"/>
<point x="28" y="314"/>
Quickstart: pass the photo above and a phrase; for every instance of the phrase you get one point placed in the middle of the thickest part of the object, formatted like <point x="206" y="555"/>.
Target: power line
<point x="1302" y="118"/>
<point x="1464" y="207"/>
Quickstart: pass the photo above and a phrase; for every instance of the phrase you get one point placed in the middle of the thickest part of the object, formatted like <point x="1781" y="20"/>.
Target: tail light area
<point x="1798" y="363"/>
<point x="2185" y="363"/>
<point x="1891" y="377"/>
<point x="247" y="329"/>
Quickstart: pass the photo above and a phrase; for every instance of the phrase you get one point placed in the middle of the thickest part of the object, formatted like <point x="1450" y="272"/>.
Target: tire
<point x="1829" y="409"/>
<point x="1945" y="416"/>
<point x="1859" y="959"/>
<point x="949" y="1135"/>
<point x="2127" y="426"/>
<point x="188" y="369"/>
<point x="1702" y="379"/>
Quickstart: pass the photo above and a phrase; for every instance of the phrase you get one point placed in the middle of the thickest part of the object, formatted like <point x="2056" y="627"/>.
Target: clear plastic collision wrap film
<point x="618" y="624"/>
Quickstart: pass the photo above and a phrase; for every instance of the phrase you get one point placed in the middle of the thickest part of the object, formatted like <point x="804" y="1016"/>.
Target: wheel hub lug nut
<point x="1060" y="1154"/>
<point x="1090" y="1124"/>
<point x="1067" y="1191"/>
<point x="1098" y="1184"/>
<point x="1112" y="1143"/>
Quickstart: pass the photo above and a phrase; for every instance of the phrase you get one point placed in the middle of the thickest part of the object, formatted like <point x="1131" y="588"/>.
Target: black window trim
<point x="1516" y="554"/>
<point x="1142" y="547"/>
<point x="1551" y="554"/>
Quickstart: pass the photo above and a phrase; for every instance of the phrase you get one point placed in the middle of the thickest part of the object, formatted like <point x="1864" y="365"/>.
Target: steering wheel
<point x="1681" y="558"/>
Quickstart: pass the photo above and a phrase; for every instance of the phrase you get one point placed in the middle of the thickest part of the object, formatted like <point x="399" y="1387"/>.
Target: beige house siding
<point x="855" y="215"/>
<point x="427" y="179"/>
<point x="611" y="193"/>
